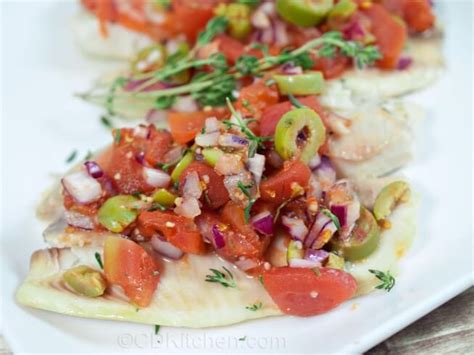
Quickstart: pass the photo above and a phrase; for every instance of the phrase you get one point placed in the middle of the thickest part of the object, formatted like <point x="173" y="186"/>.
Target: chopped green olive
<point x="149" y="58"/>
<point x="295" y="250"/>
<point x="310" y="83"/>
<point x="335" y="262"/>
<point x="299" y="133"/>
<point x="212" y="155"/>
<point x="389" y="197"/>
<point x="182" y="164"/>
<point x="343" y="9"/>
<point x="305" y="13"/>
<point x="183" y="76"/>
<point x="118" y="212"/>
<point x="85" y="281"/>
<point x="363" y="240"/>
<point x="238" y="16"/>
<point x="164" y="197"/>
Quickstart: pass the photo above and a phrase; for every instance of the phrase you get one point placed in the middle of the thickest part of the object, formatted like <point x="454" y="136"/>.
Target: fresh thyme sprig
<point x="255" y="307"/>
<point x="388" y="281"/>
<point x="209" y="88"/>
<point x="255" y="141"/>
<point x="252" y="200"/>
<point x="220" y="277"/>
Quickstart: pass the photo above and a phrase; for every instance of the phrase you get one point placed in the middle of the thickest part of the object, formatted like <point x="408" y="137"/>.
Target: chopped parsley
<point x="221" y="278"/>
<point x="71" y="157"/>
<point x="255" y="307"/>
<point x="99" y="260"/>
<point x="388" y="281"/>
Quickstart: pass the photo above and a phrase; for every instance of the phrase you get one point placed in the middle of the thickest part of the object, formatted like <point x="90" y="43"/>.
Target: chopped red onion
<point x="155" y="116"/>
<point x="82" y="187"/>
<point x="353" y="31"/>
<point x="320" y="256"/>
<point x="185" y="104"/>
<point x="245" y="264"/>
<point x="318" y="225"/>
<point x="218" y="238"/>
<point x="325" y="174"/>
<point x="155" y="177"/>
<point x="94" y="169"/>
<point x="263" y="223"/>
<point x="256" y="165"/>
<point x="140" y="157"/>
<point x="192" y="186"/>
<point x="296" y="227"/>
<point x="290" y="69"/>
<point x="165" y="248"/>
<point x="324" y="235"/>
<point x="212" y="124"/>
<point x="207" y="139"/>
<point x="189" y="208"/>
<point x="404" y="63"/>
<point x="173" y="155"/>
<point x="260" y="20"/>
<point x="303" y="263"/>
<point x="141" y="131"/>
<point x="79" y="220"/>
<point x="347" y="213"/>
<point x="314" y="162"/>
<point x="232" y="140"/>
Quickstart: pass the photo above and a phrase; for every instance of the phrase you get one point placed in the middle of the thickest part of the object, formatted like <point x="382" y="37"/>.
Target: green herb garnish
<point x="157" y="329"/>
<point x="99" y="260"/>
<point x="220" y="277"/>
<point x="388" y="281"/>
<point x="294" y="101"/>
<point x="215" y="26"/>
<point x="155" y="206"/>
<point x="71" y="157"/>
<point x="246" y="192"/>
<point x="255" y="307"/>
<point x="332" y="216"/>
<point x="106" y="122"/>
<point x="117" y="136"/>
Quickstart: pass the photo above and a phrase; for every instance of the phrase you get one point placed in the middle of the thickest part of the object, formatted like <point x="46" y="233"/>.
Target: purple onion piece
<point x="319" y="256"/>
<point x="94" y="169"/>
<point x="404" y="63"/>
<point x="263" y="223"/>
<point x="140" y="157"/>
<point x="341" y="213"/>
<point x="218" y="237"/>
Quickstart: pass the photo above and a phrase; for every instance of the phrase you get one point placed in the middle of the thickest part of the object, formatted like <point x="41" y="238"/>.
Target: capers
<point x="118" y="212"/>
<point x="390" y="196"/>
<point x="299" y="133"/>
<point x="85" y="281"/>
<point x="363" y="240"/>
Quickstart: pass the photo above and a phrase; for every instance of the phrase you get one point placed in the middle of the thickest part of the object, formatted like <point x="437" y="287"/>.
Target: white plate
<point x="43" y="123"/>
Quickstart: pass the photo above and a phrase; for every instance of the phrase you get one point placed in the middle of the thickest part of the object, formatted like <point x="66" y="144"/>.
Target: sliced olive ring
<point x="389" y="197"/>
<point x="85" y="281"/>
<point x="363" y="240"/>
<point x="118" y="212"/>
<point x="299" y="133"/>
<point x="310" y="83"/>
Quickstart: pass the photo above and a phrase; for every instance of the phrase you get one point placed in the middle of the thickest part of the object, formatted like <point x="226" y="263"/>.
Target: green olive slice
<point x="118" y="212"/>
<point x="212" y="155"/>
<point x="299" y="133"/>
<point x="389" y="197"/>
<point x="363" y="240"/>
<point x="164" y="197"/>
<point x="310" y="83"/>
<point x="85" y="281"/>
<point x="182" y="164"/>
<point x="305" y="13"/>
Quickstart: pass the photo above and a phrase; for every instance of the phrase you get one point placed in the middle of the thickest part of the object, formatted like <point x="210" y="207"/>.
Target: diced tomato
<point x="272" y="114"/>
<point x="230" y="47"/>
<point x="418" y="14"/>
<point x="127" y="264"/>
<point x="331" y="67"/>
<point x="191" y="16"/>
<point x="240" y="238"/>
<point x="390" y="35"/>
<point x="125" y="172"/>
<point x="284" y="184"/>
<point x="157" y="146"/>
<point x="217" y="194"/>
<point x="253" y="99"/>
<point x="185" y="125"/>
<point x="179" y="231"/>
<point x="303" y="292"/>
